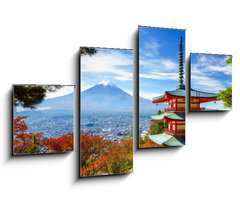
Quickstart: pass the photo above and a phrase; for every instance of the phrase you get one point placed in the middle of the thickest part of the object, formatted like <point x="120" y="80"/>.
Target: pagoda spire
<point x="181" y="86"/>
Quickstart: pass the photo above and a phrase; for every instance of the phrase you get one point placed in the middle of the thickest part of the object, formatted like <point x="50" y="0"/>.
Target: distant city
<point x="113" y="126"/>
<point x="50" y="126"/>
<point x="144" y="123"/>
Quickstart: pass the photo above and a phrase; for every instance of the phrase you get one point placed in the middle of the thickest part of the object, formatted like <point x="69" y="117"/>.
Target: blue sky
<point x="158" y="60"/>
<point x="115" y="65"/>
<point x="210" y="73"/>
<point x="64" y="90"/>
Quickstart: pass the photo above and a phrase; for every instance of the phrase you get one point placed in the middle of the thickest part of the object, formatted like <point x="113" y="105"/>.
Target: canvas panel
<point x="43" y="119"/>
<point x="210" y="82"/>
<point x="106" y="109"/>
<point x="161" y="87"/>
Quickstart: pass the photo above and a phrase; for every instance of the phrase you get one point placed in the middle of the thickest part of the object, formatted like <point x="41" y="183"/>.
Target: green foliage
<point x="143" y="140"/>
<point x="229" y="60"/>
<point x="34" y="148"/>
<point x="226" y="97"/>
<point x="121" y="166"/>
<point x="157" y="128"/>
<point x="159" y="112"/>
<point x="90" y="51"/>
<point x="29" y="96"/>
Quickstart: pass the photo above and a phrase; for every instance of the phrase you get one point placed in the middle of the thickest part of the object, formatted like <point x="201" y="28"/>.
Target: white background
<point x="39" y="42"/>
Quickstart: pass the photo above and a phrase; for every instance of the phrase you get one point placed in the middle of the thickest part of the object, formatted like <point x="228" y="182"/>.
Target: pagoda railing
<point x="174" y="131"/>
<point x="174" y="109"/>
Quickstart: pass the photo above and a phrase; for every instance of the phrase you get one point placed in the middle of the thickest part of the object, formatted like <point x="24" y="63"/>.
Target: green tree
<point x="144" y="140"/>
<point x="229" y="60"/>
<point x="159" y="112"/>
<point x="90" y="51"/>
<point x="29" y="96"/>
<point x="157" y="128"/>
<point x="226" y="97"/>
<point x="35" y="148"/>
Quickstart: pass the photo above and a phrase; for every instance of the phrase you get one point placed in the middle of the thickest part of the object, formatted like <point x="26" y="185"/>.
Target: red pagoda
<point x="174" y="115"/>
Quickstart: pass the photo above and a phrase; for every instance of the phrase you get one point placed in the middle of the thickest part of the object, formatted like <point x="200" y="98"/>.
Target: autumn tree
<point x="99" y="156"/>
<point x="24" y="142"/>
<point x="33" y="143"/>
<point x="147" y="143"/>
<point x="61" y="144"/>
<point x="92" y="154"/>
<point x="120" y="159"/>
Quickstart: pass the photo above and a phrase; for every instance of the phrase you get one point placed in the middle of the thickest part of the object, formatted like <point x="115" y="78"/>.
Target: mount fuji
<point x="106" y="97"/>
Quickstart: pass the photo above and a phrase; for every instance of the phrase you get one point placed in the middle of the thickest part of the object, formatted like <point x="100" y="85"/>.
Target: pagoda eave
<point x="205" y="99"/>
<point x="165" y="98"/>
<point x="166" y="119"/>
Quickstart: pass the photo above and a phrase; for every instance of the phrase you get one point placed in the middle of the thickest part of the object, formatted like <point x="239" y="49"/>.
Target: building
<point x="174" y="115"/>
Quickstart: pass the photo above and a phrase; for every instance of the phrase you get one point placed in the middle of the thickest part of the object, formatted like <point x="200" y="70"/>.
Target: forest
<point x="99" y="156"/>
<point x="34" y="143"/>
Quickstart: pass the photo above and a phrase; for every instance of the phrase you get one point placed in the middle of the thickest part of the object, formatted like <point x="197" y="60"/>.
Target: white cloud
<point x="148" y="95"/>
<point x="129" y="92"/>
<point x="151" y="48"/>
<point x="84" y="85"/>
<point x="61" y="92"/>
<point x="124" y="76"/>
<point x="206" y="83"/>
<point x="159" y="64"/>
<point x="227" y="69"/>
<point x="44" y="108"/>
<point x="206" y="64"/>
<point x="112" y="62"/>
<point x="21" y="109"/>
<point x="160" y="76"/>
<point x="205" y="72"/>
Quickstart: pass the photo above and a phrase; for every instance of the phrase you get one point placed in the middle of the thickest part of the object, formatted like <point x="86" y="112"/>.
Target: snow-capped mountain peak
<point x="106" y="97"/>
<point x="106" y="83"/>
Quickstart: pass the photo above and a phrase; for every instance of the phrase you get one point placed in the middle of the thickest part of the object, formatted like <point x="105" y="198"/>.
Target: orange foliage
<point x="19" y="125"/>
<point x="100" y="156"/>
<point x="61" y="144"/>
<point x="26" y="143"/>
<point x="148" y="144"/>
<point x="30" y="143"/>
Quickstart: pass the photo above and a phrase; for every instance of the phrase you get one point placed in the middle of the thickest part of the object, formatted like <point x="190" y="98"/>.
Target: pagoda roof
<point x="176" y="116"/>
<point x="197" y="93"/>
<point x="159" y="117"/>
<point x="171" y="116"/>
<point x="165" y="139"/>
<point x="173" y="142"/>
<point x="180" y="92"/>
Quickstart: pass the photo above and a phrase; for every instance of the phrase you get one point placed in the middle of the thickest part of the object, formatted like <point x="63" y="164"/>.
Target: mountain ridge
<point x="104" y="97"/>
<point x="108" y="98"/>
